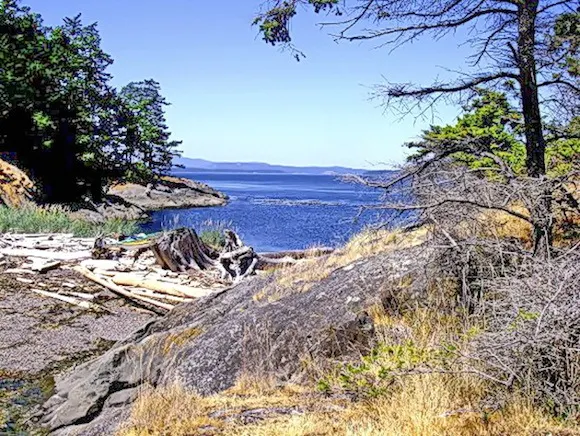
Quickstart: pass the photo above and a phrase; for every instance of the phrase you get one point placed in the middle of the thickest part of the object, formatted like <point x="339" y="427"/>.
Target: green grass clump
<point x="211" y="232"/>
<point x="213" y="238"/>
<point x="55" y="219"/>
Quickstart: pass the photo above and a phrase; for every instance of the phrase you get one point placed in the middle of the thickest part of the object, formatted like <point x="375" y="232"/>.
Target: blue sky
<point x="234" y="98"/>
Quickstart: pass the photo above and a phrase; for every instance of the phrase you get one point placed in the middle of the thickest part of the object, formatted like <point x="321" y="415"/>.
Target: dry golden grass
<point x="501" y="225"/>
<point x="176" y="411"/>
<point x="425" y="326"/>
<point x="302" y="276"/>
<point x="422" y="406"/>
<point x="426" y="405"/>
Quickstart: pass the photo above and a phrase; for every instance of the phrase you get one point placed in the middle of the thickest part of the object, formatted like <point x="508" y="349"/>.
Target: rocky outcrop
<point x="169" y="193"/>
<point x="112" y="207"/>
<point x="16" y="188"/>
<point x="207" y="344"/>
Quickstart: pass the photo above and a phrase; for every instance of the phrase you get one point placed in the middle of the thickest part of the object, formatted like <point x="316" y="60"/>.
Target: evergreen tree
<point x="494" y="127"/>
<point x="149" y="149"/>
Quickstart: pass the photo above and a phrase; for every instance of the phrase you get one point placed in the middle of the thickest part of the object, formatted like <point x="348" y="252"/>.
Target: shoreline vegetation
<point x="55" y="219"/>
<point x="119" y="213"/>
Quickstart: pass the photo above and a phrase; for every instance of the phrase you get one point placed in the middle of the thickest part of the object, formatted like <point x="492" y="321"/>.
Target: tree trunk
<point x="541" y="210"/>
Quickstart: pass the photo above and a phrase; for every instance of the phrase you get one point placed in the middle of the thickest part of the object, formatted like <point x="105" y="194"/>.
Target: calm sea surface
<point x="274" y="212"/>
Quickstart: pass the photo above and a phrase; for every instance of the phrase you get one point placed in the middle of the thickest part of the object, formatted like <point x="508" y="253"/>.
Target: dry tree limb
<point x="163" y="287"/>
<point x="121" y="291"/>
<point x="70" y="300"/>
<point x="45" y="254"/>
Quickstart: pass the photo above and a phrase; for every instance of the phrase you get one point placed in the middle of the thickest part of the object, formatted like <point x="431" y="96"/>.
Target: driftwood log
<point x="182" y="250"/>
<point x="174" y="289"/>
<point x="123" y="292"/>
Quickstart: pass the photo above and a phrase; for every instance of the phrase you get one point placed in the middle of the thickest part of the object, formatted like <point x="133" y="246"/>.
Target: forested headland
<point x="62" y="120"/>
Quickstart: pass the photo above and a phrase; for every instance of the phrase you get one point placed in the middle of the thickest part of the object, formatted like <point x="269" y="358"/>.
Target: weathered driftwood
<point x="156" y="295"/>
<point x="18" y="271"/>
<point x="67" y="299"/>
<point x="120" y="290"/>
<point x="46" y="266"/>
<point x="182" y="251"/>
<point x="104" y="272"/>
<point x="82" y="295"/>
<point x="100" y="264"/>
<point x="163" y="287"/>
<point x="45" y="254"/>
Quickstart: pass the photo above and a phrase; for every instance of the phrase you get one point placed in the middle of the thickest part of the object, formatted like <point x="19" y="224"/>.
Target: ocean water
<point x="273" y="212"/>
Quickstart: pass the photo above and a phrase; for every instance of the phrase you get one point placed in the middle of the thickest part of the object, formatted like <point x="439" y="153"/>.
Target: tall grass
<point x="211" y="232"/>
<point x="55" y="219"/>
<point x="425" y="405"/>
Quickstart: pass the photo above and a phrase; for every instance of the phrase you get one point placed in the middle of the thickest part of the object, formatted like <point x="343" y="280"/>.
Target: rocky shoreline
<point x="131" y="201"/>
<point x="124" y="201"/>
<point x="42" y="338"/>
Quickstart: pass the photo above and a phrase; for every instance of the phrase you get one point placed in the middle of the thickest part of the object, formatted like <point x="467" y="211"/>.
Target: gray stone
<point x="205" y="345"/>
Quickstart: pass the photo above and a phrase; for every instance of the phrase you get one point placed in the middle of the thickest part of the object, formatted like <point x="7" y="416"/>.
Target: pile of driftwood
<point x="155" y="272"/>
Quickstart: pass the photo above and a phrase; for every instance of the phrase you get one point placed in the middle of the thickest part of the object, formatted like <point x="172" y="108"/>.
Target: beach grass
<point x="55" y="219"/>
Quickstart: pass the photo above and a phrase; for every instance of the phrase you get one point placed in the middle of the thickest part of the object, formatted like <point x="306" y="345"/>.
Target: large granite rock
<point x="207" y="344"/>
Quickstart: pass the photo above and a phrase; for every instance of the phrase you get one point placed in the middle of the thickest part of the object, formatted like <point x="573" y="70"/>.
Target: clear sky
<point x="234" y="98"/>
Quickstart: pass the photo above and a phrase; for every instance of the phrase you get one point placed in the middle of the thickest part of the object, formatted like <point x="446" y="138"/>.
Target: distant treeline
<point x="63" y="120"/>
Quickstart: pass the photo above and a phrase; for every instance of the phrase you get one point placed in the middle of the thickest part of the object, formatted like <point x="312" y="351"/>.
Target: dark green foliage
<point x="490" y="122"/>
<point x="60" y="114"/>
<point x="491" y="125"/>
<point x="147" y="139"/>
<point x="274" y="24"/>
<point x="566" y="41"/>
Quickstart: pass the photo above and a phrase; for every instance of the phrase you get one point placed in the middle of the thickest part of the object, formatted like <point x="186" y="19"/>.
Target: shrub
<point x="532" y="332"/>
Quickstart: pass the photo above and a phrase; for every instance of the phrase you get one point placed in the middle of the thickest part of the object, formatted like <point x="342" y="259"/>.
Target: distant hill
<point x="259" y="167"/>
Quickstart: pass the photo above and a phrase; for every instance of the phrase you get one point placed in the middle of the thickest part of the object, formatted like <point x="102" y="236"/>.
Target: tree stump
<point x="182" y="250"/>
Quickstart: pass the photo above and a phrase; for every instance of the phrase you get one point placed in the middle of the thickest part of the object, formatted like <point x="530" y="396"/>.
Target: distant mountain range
<point x="258" y="167"/>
